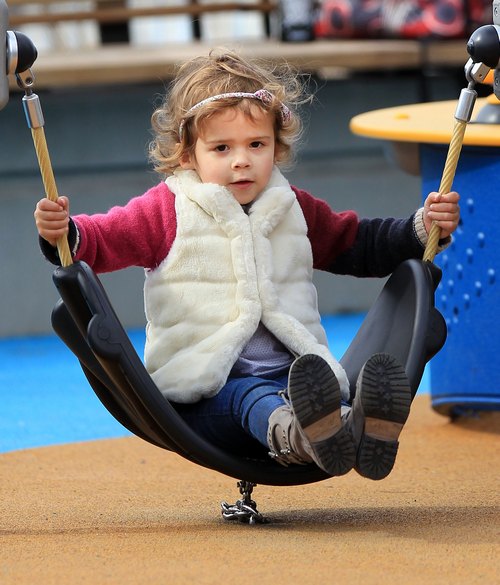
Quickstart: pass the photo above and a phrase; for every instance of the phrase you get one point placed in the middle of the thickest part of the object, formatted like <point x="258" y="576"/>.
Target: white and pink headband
<point x="266" y="97"/>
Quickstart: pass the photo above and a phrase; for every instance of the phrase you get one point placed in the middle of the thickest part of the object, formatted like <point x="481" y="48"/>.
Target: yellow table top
<point x="429" y="122"/>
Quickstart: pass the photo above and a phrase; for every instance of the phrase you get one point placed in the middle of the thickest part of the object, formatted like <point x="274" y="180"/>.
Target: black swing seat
<point x="403" y="321"/>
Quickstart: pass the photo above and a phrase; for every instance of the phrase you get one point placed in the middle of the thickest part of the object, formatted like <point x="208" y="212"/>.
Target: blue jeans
<point x="236" y="419"/>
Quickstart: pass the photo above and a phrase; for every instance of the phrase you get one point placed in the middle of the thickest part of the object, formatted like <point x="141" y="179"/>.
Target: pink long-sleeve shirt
<point x="142" y="232"/>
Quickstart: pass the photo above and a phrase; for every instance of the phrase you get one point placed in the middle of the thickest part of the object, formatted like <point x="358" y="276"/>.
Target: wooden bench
<point x="129" y="62"/>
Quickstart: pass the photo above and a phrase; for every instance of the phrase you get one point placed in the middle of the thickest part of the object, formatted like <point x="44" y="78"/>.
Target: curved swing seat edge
<point x="402" y="321"/>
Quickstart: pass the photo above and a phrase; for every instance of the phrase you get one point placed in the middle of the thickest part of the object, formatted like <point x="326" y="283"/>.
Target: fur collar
<point x="217" y="201"/>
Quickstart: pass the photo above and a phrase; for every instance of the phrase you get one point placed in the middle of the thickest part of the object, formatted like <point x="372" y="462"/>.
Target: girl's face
<point x="235" y="151"/>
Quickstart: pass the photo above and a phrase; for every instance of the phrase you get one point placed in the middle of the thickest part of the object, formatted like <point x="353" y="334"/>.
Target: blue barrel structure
<point x="465" y="374"/>
<point x="466" y="377"/>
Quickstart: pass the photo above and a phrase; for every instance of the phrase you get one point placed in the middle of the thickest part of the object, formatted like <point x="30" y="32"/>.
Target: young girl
<point x="234" y="337"/>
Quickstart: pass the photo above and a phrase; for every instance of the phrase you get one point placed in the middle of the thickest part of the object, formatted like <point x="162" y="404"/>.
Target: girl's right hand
<point x="52" y="219"/>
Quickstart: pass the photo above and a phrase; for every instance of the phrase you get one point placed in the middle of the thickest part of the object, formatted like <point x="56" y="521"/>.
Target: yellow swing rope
<point x="42" y="153"/>
<point x="450" y="168"/>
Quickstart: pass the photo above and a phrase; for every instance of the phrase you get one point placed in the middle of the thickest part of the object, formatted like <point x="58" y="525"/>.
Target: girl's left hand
<point x="442" y="208"/>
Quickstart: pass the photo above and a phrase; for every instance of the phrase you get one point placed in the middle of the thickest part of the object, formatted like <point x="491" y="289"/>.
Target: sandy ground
<point x="125" y="512"/>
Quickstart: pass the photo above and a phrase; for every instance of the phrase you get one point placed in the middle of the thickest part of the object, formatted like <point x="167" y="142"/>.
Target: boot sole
<point x="315" y="397"/>
<point x="386" y="401"/>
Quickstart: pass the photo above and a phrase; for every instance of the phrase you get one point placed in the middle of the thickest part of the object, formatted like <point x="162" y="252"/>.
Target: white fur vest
<point x="226" y="272"/>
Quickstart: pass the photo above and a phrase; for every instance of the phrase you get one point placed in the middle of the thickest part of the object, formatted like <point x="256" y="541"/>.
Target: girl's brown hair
<point x="223" y="71"/>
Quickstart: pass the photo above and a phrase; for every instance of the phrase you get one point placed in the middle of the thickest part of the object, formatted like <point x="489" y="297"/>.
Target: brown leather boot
<point x="310" y="427"/>
<point x="379" y="411"/>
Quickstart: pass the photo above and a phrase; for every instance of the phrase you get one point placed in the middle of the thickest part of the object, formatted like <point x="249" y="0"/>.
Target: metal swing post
<point x="20" y="54"/>
<point x="484" y="50"/>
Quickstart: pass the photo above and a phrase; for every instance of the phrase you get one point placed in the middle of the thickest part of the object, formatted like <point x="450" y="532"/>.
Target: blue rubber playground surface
<point x="46" y="400"/>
